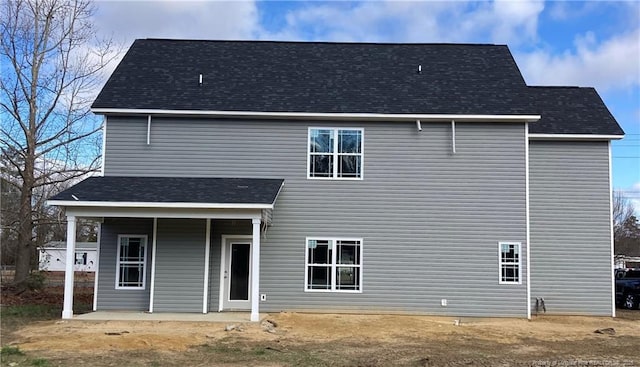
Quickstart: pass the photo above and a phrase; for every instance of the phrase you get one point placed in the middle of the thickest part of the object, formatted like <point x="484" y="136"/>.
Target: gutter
<point x="321" y="116"/>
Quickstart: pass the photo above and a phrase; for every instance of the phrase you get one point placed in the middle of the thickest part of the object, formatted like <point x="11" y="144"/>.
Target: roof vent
<point x="200" y="80"/>
<point x="419" y="69"/>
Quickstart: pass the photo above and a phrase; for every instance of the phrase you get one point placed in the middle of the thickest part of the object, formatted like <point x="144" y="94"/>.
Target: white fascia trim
<point x="128" y="204"/>
<point x="325" y="116"/>
<point x="574" y="137"/>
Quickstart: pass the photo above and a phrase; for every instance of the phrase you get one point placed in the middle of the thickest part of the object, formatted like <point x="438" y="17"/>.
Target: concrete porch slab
<point x="223" y="317"/>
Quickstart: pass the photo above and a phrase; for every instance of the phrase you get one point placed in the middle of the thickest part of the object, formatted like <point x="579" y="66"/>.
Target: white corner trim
<point x="132" y="204"/>
<point x="574" y="137"/>
<point x="104" y="144"/>
<point x="325" y="116"/>
<point x="528" y="217"/>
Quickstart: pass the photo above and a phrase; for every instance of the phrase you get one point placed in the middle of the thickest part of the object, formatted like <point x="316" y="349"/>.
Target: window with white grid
<point x="335" y="153"/>
<point x="509" y="262"/>
<point x="131" y="262"/>
<point x="333" y="265"/>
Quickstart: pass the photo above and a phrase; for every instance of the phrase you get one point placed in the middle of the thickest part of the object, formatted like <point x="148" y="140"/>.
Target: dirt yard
<point x="338" y="340"/>
<point x="32" y="334"/>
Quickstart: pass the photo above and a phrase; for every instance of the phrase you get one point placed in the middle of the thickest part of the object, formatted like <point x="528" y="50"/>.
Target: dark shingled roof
<point x="316" y="77"/>
<point x="174" y="190"/>
<point x="321" y="77"/>
<point x="572" y="110"/>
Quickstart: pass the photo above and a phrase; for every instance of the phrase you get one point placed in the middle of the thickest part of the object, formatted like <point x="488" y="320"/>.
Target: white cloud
<point x="611" y="64"/>
<point x="128" y="20"/>
<point x="125" y="21"/>
<point x="395" y="21"/>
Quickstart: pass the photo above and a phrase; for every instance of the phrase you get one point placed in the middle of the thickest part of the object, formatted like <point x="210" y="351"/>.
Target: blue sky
<point x="592" y="43"/>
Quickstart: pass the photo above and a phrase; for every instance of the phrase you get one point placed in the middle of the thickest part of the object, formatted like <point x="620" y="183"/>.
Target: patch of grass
<point x="34" y="312"/>
<point x="11" y="351"/>
<point x="259" y="352"/>
<point x="40" y="362"/>
<point x="250" y="353"/>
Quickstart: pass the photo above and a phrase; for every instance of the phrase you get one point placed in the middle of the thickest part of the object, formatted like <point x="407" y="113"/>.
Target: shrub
<point x="36" y="280"/>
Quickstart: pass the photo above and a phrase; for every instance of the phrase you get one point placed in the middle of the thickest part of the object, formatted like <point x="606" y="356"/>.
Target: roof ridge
<point x="323" y="42"/>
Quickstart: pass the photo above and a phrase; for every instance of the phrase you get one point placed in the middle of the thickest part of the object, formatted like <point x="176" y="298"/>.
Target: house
<point x="52" y="256"/>
<point x="626" y="262"/>
<point x="346" y="177"/>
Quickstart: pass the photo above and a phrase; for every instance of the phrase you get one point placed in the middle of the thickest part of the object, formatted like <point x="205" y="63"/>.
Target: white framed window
<point x="81" y="258"/>
<point x="131" y="263"/>
<point x="510" y="269"/>
<point x="333" y="265"/>
<point x="335" y="153"/>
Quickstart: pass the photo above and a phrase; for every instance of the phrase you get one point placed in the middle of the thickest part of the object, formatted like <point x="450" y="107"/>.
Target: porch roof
<point x="171" y="192"/>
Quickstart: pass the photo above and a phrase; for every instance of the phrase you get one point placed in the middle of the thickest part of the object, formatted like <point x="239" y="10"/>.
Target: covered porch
<point x="172" y="245"/>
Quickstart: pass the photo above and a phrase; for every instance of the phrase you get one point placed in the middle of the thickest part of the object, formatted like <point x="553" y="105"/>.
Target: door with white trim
<point x="236" y="269"/>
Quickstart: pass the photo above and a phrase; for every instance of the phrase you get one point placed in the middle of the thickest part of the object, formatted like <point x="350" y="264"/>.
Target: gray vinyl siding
<point x="110" y="298"/>
<point x="570" y="226"/>
<point x="180" y="260"/>
<point x="430" y="220"/>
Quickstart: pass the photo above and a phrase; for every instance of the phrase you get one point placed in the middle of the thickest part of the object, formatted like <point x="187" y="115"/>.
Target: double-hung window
<point x="333" y="265"/>
<point x="509" y="262"/>
<point x="335" y="153"/>
<point x="131" y="262"/>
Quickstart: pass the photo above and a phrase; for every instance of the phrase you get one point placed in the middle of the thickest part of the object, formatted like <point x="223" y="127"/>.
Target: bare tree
<point x="622" y="211"/>
<point x="52" y="64"/>
<point x="626" y="229"/>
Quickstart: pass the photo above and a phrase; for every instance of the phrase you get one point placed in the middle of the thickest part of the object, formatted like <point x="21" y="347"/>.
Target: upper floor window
<point x="335" y="153"/>
<point x="131" y="262"/>
<point x="509" y="262"/>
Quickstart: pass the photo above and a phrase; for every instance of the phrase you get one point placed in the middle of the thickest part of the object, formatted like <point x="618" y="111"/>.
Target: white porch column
<point x="255" y="271"/>
<point x="207" y="251"/>
<point x="67" y="309"/>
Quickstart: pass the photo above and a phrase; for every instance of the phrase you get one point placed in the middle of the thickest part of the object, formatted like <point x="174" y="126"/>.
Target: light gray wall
<point x="430" y="220"/>
<point x="110" y="298"/>
<point x="180" y="249"/>
<point x="570" y="226"/>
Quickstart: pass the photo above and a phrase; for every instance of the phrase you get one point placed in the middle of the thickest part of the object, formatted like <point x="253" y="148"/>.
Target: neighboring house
<point x="333" y="177"/>
<point x="53" y="256"/>
<point x="624" y="261"/>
